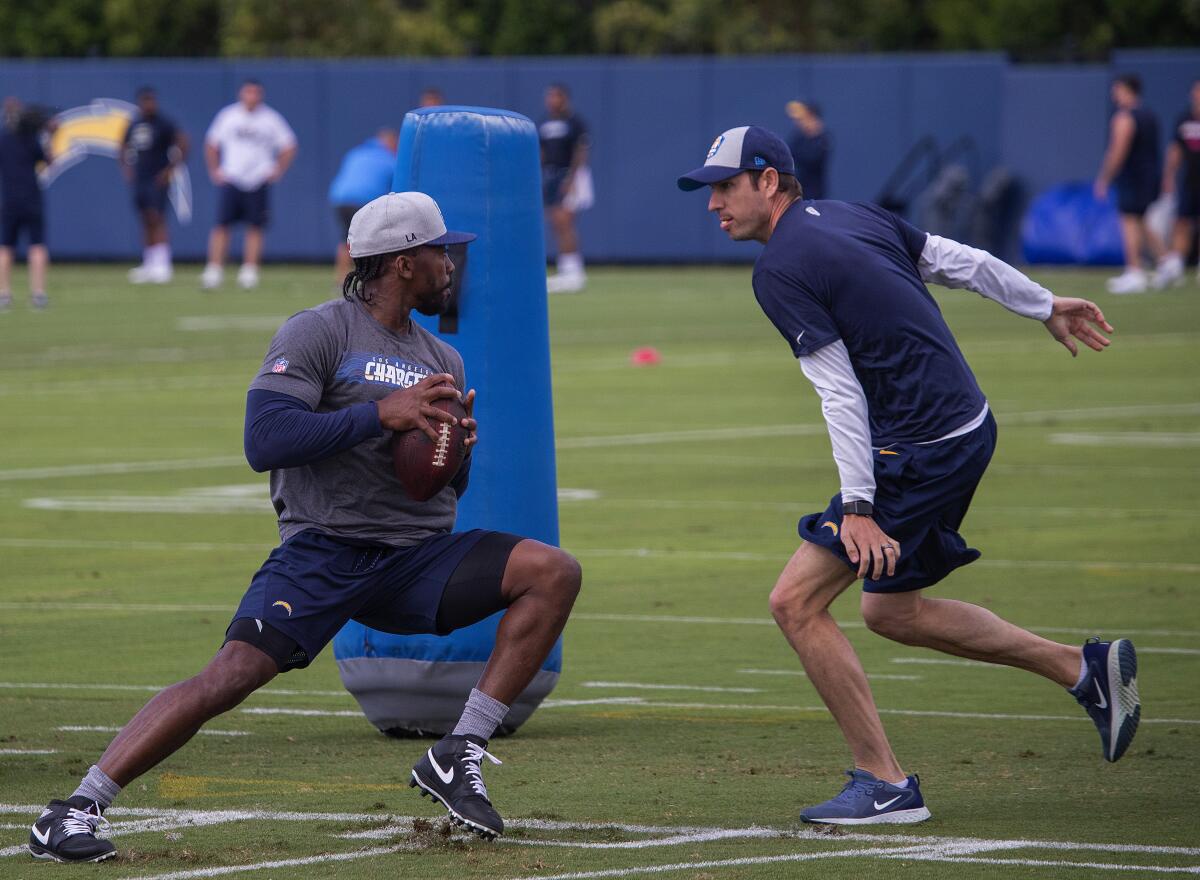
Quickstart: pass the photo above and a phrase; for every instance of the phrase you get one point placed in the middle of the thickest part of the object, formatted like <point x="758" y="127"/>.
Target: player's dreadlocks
<point x="365" y="269"/>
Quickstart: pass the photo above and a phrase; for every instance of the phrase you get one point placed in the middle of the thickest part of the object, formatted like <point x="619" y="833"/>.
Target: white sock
<point x="903" y="784"/>
<point x="148" y="256"/>
<point x="570" y="264"/>
<point x="1083" y="671"/>
<point x="161" y="255"/>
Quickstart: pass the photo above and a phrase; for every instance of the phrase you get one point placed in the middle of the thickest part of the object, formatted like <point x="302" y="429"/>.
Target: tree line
<point x="1032" y="30"/>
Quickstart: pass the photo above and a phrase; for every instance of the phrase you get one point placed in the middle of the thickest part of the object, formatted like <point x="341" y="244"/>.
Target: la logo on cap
<point x="716" y="145"/>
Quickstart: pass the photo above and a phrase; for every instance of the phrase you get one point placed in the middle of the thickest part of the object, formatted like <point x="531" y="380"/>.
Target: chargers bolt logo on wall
<point x="98" y="129"/>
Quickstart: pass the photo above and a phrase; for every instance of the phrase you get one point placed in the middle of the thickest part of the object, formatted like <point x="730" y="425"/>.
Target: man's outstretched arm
<point x="955" y="265"/>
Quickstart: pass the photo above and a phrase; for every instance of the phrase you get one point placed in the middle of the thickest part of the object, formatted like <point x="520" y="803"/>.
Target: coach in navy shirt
<point x="844" y="283"/>
<point x="154" y="148"/>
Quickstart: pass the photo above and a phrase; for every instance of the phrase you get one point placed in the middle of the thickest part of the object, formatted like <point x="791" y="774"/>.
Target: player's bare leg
<point x="809" y="583"/>
<point x="66" y="829"/>
<point x="174" y="715"/>
<point x="39" y="263"/>
<point x="6" y="264"/>
<point x="218" y="245"/>
<point x="252" y="256"/>
<point x="540" y="583"/>
<point x="966" y="630"/>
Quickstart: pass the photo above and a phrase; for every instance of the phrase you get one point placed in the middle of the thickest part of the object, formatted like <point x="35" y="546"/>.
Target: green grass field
<point x="130" y="525"/>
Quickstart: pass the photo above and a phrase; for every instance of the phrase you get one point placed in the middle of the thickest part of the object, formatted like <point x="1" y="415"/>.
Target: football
<point x="424" y="467"/>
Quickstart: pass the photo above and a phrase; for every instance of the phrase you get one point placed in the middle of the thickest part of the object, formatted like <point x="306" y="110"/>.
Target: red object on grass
<point x="645" y="357"/>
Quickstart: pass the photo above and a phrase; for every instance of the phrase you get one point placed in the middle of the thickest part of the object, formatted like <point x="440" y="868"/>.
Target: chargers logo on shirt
<point x="379" y="369"/>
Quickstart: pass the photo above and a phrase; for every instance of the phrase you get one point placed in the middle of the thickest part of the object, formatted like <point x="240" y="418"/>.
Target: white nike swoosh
<point x="1100" y="696"/>
<point x="447" y="778"/>
<point x="880" y="806"/>
<point x="44" y="839"/>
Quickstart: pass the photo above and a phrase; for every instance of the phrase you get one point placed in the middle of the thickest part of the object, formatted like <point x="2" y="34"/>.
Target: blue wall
<point x="651" y="119"/>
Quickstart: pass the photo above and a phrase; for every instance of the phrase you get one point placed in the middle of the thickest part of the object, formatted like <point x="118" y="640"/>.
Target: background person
<point x="564" y="144"/>
<point x="248" y="147"/>
<point x="365" y="173"/>
<point x="809" y="144"/>
<point x="1131" y="166"/>
<point x="22" y="207"/>
<point x="153" y="148"/>
<point x="431" y="96"/>
<point x="1183" y="152"/>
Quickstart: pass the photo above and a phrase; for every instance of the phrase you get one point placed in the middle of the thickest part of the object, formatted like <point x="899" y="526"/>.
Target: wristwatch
<point x="858" y="508"/>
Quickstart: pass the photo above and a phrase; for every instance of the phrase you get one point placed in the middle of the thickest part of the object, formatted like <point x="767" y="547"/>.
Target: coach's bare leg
<point x="810" y="582"/>
<point x="6" y="264"/>
<point x="541" y="583"/>
<point x="966" y="630"/>
<point x="254" y="246"/>
<point x="39" y="261"/>
<point x="218" y="244"/>
<point x="172" y="717"/>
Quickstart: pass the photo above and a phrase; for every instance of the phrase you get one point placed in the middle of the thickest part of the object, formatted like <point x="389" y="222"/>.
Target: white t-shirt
<point x="250" y="142"/>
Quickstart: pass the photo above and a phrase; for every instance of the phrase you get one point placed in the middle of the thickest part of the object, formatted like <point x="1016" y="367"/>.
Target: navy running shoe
<point x="450" y="773"/>
<point x="1108" y="693"/>
<point x="868" y="800"/>
<point x="66" y="832"/>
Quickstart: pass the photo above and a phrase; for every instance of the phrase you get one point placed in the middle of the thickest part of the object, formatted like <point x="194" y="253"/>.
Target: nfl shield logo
<point x="280" y="366"/>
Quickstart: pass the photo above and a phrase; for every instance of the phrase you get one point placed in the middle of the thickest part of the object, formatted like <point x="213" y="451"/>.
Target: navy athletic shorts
<point x="243" y="206"/>
<point x="17" y="217"/>
<point x="1189" y="198"/>
<point x="313" y="583"/>
<point x="552" y="181"/>
<point x="1134" y="196"/>
<point x="344" y="214"/>
<point x="150" y="195"/>
<point x="921" y="496"/>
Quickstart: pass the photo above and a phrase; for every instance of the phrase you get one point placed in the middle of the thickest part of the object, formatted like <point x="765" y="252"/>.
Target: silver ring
<point x="888" y="547"/>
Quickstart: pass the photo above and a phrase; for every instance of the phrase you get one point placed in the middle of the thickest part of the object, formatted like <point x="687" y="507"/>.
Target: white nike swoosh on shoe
<point x="885" y="804"/>
<point x="44" y="839"/>
<point x="446" y="778"/>
<point x="1103" y="703"/>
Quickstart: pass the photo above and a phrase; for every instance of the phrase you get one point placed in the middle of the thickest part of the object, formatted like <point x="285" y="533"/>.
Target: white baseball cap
<point x="397" y="222"/>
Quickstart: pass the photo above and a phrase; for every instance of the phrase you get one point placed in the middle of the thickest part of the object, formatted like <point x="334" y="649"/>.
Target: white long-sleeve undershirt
<point x="843" y="401"/>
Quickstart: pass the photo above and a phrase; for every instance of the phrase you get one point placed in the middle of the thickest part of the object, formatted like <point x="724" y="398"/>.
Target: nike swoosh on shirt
<point x="446" y="778"/>
<point x="44" y="839"/>
<point x="885" y="804"/>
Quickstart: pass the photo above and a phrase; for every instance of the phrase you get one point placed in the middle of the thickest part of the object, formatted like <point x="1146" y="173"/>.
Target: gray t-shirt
<point x="332" y="357"/>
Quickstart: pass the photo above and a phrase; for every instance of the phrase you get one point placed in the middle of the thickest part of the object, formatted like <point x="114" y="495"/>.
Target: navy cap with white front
<point x="745" y="148"/>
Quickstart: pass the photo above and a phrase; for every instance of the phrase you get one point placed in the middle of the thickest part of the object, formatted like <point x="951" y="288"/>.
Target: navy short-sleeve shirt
<point x="149" y="140"/>
<point x="848" y="270"/>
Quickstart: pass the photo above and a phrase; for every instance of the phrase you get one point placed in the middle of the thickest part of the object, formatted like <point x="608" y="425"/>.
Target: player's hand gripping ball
<point x="424" y="466"/>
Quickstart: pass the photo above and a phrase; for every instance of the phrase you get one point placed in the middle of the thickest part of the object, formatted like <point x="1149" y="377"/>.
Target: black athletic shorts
<point x="313" y="583"/>
<point x="1189" y="198"/>
<point x="150" y="195"/>
<point x="345" y="213"/>
<point x="244" y="206"/>
<point x="1134" y="196"/>
<point x="20" y="217"/>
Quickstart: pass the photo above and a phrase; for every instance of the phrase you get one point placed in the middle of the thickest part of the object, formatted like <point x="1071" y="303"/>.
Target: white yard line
<point x="643" y="686"/>
<point x="123" y="467"/>
<point x="92" y="728"/>
<point x="1135" y="439"/>
<point x="148" y="688"/>
<point x="278" y="863"/>
<point x="28" y="751"/>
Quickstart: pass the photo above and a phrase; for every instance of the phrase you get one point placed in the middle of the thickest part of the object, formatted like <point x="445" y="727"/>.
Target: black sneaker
<point x="66" y="832"/>
<point x="450" y="773"/>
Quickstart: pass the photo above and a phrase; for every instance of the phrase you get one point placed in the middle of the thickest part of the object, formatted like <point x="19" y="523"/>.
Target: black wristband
<point x="858" y="508"/>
